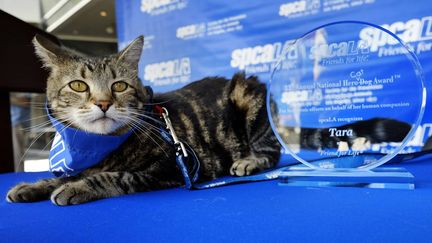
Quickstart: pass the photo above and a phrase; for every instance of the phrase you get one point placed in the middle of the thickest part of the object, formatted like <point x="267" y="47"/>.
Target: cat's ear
<point x="132" y="53"/>
<point x="49" y="52"/>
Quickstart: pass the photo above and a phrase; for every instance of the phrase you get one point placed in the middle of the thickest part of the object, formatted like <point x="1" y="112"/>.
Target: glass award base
<point x="387" y="178"/>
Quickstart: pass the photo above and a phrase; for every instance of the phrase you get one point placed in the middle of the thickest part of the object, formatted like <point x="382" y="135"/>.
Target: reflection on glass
<point x="31" y="131"/>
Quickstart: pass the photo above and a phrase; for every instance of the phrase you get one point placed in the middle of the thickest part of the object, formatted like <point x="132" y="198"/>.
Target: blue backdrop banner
<point x="186" y="40"/>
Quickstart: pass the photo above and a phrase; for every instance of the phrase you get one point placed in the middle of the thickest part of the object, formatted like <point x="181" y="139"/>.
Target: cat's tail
<point x="248" y="95"/>
<point x="245" y="92"/>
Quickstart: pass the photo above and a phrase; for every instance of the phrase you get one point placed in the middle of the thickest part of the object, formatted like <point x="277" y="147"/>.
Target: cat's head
<point x="95" y="94"/>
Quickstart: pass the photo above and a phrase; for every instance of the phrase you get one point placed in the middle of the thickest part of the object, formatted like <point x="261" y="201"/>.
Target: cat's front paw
<point x="72" y="193"/>
<point x="244" y="167"/>
<point x="26" y="192"/>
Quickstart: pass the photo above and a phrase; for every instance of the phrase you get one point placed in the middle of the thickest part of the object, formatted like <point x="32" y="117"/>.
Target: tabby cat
<point x="224" y="121"/>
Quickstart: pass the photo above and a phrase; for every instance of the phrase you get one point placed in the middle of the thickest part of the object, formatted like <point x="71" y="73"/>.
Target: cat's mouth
<point x="102" y="125"/>
<point x="103" y="118"/>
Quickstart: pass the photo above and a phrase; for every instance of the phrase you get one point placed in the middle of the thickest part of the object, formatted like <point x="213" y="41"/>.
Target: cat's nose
<point x="103" y="104"/>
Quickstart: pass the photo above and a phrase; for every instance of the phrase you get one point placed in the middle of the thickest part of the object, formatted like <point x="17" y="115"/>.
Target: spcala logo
<point x="339" y="49"/>
<point x="167" y="69"/>
<point x="296" y="7"/>
<point x="290" y="8"/>
<point x="148" y="6"/>
<point x="184" y="32"/>
<point x="261" y="54"/>
<point x="156" y="7"/>
<point x="410" y="31"/>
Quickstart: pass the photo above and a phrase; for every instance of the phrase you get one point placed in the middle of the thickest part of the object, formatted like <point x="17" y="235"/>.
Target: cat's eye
<point x="78" y="86"/>
<point x="119" y="86"/>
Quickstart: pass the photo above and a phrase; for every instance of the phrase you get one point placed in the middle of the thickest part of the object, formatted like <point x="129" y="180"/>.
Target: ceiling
<point x="88" y="26"/>
<point x="82" y="20"/>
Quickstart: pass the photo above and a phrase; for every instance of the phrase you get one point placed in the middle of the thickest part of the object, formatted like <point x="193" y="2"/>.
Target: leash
<point x="186" y="158"/>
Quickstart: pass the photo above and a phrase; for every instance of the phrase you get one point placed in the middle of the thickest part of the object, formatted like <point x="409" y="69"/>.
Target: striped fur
<point x="225" y="121"/>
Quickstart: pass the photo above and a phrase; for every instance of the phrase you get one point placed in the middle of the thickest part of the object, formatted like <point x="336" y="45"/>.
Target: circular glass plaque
<point x="346" y="95"/>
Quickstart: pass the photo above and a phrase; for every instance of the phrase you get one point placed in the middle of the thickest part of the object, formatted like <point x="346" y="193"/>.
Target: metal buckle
<point x="180" y="145"/>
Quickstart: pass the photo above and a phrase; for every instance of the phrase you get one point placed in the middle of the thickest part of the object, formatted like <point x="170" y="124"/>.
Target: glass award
<point x="344" y="99"/>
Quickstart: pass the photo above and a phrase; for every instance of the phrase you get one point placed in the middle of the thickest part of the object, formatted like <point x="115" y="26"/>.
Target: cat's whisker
<point x="37" y="117"/>
<point x="139" y="111"/>
<point x="133" y="130"/>
<point x="44" y="124"/>
<point x="37" y="126"/>
<point x="29" y="103"/>
<point x="150" y="129"/>
<point x="52" y="139"/>
<point x="21" y="160"/>
<point x="48" y="143"/>
<point x="159" y="103"/>
<point x="84" y="112"/>
<point x="148" y="117"/>
<point x="140" y="129"/>
<point x="149" y="136"/>
<point x="37" y="107"/>
<point x="139" y="123"/>
<point x="37" y="104"/>
<point x="143" y="122"/>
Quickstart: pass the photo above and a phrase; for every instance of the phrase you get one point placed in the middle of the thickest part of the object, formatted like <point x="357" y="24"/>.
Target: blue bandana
<point x="73" y="150"/>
